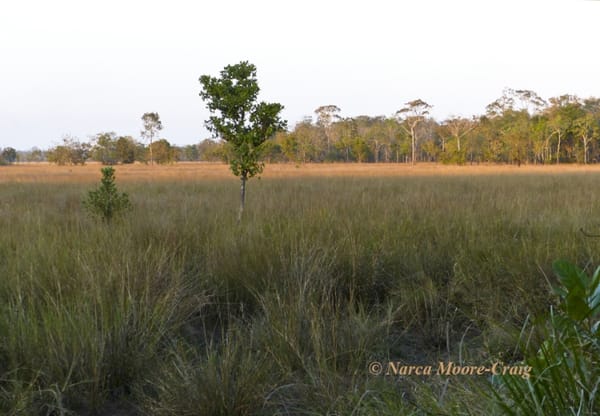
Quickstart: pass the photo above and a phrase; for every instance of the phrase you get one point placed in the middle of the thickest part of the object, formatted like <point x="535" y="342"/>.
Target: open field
<point x="175" y="309"/>
<point x="42" y="172"/>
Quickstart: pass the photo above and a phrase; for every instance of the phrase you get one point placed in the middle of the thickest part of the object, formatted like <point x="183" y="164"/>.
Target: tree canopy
<point x="238" y="118"/>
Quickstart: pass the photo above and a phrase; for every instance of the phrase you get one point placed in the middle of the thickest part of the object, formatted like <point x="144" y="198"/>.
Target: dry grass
<point x="46" y="173"/>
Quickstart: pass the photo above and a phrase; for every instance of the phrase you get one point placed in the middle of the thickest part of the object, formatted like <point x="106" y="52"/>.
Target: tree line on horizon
<point x="518" y="128"/>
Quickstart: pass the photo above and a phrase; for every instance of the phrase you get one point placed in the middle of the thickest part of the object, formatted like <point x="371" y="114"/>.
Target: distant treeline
<point x="519" y="127"/>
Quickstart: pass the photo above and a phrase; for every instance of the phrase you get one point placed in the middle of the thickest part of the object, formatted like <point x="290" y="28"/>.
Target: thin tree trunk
<point x="242" y="197"/>
<point x="151" y="160"/>
<point x="413" y="135"/>
<point x="558" y="150"/>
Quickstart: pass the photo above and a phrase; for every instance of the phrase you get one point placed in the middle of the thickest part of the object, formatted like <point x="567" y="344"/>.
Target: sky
<point x="79" y="68"/>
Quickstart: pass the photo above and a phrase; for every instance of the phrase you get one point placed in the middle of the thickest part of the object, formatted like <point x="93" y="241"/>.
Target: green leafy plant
<point x="565" y="376"/>
<point x="580" y="294"/>
<point x="240" y="120"/>
<point x="106" y="202"/>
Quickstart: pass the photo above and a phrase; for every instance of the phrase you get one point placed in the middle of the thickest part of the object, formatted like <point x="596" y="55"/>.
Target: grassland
<point x="178" y="310"/>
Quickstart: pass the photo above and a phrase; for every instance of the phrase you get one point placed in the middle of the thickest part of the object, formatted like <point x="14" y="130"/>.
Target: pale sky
<point x="82" y="67"/>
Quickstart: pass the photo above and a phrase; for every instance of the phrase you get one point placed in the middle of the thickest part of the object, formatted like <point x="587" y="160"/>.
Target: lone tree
<point x="152" y="125"/>
<point x="239" y="119"/>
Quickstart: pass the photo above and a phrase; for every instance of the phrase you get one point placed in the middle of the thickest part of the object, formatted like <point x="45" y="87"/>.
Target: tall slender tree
<point x="326" y="116"/>
<point x="152" y="125"/>
<point x="586" y="127"/>
<point x="413" y="113"/>
<point x="562" y="114"/>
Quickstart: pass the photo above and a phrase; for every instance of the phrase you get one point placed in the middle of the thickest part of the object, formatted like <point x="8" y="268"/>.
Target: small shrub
<point x="106" y="202"/>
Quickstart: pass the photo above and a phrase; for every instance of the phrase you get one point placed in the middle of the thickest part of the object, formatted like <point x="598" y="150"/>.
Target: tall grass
<point x="176" y="309"/>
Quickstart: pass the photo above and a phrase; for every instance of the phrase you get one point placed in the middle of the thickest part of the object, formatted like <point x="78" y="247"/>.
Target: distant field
<point x="42" y="172"/>
<point x="175" y="309"/>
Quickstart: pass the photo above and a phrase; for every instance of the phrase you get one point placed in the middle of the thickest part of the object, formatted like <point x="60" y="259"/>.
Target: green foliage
<point x="579" y="292"/>
<point x="106" y="202"/>
<point x="271" y="151"/>
<point x="360" y="150"/>
<point x="61" y="155"/>
<point x="212" y="151"/>
<point x="190" y="153"/>
<point x="519" y="128"/>
<point x="34" y="155"/>
<point x="125" y="149"/>
<point x="162" y="151"/>
<point x="142" y="153"/>
<point x="565" y="374"/>
<point x="105" y="149"/>
<point x="8" y="155"/>
<point x="71" y="152"/>
<point x="238" y="118"/>
<point x="110" y="149"/>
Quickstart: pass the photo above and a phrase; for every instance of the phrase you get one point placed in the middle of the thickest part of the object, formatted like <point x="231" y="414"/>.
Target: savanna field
<point x="176" y="309"/>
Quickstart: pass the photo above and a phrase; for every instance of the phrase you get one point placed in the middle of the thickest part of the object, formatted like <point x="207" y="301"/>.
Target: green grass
<point x="176" y="310"/>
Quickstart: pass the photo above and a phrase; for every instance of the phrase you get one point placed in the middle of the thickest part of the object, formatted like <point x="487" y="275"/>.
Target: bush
<point x="106" y="202"/>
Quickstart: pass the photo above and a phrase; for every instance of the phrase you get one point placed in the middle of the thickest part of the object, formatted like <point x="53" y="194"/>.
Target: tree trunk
<point x="414" y="144"/>
<point x="242" y="197"/>
<point x="558" y="150"/>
